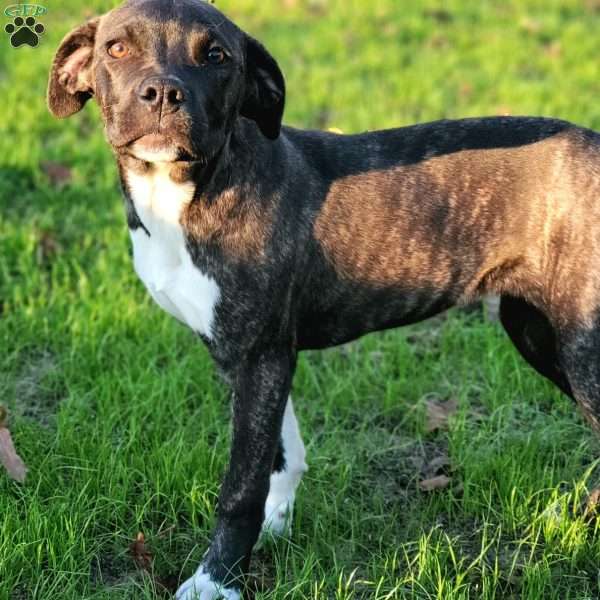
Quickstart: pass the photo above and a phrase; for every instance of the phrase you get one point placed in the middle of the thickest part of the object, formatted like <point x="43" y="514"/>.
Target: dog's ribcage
<point x="160" y="256"/>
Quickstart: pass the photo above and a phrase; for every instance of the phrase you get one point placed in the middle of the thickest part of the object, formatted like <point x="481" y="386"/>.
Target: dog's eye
<point x="216" y="56"/>
<point x="118" y="50"/>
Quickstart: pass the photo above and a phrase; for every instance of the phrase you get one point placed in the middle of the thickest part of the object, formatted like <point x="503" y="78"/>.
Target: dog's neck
<point x="222" y="203"/>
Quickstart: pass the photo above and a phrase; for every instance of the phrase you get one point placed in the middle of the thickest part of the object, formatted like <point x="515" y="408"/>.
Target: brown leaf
<point x="438" y="414"/>
<point x="140" y="553"/>
<point x="57" y="173"/>
<point x="11" y="461"/>
<point x="435" y="483"/>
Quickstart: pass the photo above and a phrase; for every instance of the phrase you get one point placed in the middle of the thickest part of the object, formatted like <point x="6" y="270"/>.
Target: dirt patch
<point x="401" y="464"/>
<point x="111" y="570"/>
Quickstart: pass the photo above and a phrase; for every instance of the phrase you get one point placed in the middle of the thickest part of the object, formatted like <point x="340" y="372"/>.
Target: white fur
<point x="164" y="154"/>
<point x="201" y="587"/>
<point x="161" y="259"/>
<point x="282" y="490"/>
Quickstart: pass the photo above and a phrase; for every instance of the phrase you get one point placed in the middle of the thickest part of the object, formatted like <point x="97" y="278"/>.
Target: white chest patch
<point x="161" y="259"/>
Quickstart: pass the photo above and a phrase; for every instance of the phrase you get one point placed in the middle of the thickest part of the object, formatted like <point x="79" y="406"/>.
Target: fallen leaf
<point x="438" y="413"/>
<point x="57" y="173"/>
<point x="11" y="461"/>
<point x="435" y="483"/>
<point x="140" y="553"/>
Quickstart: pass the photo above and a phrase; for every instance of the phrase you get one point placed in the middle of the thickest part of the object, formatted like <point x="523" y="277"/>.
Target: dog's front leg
<point x="287" y="472"/>
<point x="261" y="385"/>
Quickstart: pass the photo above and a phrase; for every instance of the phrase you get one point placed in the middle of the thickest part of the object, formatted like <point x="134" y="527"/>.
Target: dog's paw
<point x="278" y="517"/>
<point x="201" y="587"/>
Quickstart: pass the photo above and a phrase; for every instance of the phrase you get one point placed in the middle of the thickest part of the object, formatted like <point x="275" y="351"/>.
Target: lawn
<point x="123" y="422"/>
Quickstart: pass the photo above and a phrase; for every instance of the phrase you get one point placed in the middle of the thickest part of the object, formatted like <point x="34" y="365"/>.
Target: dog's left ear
<point x="70" y="83"/>
<point x="265" y="90"/>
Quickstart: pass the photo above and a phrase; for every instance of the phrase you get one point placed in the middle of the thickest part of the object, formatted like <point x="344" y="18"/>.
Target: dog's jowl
<point x="267" y="240"/>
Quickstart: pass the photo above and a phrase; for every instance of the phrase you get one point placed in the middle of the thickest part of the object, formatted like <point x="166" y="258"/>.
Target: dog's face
<point x="171" y="78"/>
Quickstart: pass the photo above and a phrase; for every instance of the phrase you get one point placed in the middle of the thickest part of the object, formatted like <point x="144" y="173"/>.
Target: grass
<point x="123" y="423"/>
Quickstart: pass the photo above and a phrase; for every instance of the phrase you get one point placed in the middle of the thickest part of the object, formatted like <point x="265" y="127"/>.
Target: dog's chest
<point x="160" y="256"/>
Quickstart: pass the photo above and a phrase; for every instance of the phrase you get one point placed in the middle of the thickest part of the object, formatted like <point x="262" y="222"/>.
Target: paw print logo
<point x="24" y="31"/>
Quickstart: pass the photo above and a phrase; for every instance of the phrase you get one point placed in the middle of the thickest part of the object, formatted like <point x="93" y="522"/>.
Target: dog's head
<point x="171" y="78"/>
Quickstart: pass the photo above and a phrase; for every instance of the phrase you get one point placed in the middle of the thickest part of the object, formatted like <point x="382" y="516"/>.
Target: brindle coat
<point x="315" y="239"/>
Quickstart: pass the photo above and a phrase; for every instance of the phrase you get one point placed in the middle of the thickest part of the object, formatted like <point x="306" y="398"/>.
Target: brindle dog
<point x="268" y="240"/>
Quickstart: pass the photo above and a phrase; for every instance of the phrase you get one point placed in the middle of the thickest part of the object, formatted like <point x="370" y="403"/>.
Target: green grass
<point x="123" y="422"/>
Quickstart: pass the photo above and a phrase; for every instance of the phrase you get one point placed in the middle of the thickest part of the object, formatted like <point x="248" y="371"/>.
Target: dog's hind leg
<point x="569" y="357"/>
<point x="580" y="358"/>
<point x="288" y="469"/>
<point x="535" y="338"/>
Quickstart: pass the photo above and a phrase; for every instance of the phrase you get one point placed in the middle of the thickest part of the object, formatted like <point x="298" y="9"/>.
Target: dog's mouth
<point x="157" y="147"/>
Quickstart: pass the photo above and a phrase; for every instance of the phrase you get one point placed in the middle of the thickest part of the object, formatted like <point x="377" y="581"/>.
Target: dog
<point x="267" y="240"/>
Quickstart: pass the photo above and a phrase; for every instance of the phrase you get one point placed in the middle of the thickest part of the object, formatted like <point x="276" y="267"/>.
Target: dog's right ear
<point x="71" y="84"/>
<point x="265" y="90"/>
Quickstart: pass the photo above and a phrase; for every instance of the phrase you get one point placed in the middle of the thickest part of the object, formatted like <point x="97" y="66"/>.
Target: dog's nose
<point x="166" y="93"/>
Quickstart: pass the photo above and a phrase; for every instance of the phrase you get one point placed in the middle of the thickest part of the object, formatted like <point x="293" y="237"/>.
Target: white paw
<point x="278" y="517"/>
<point x="201" y="587"/>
